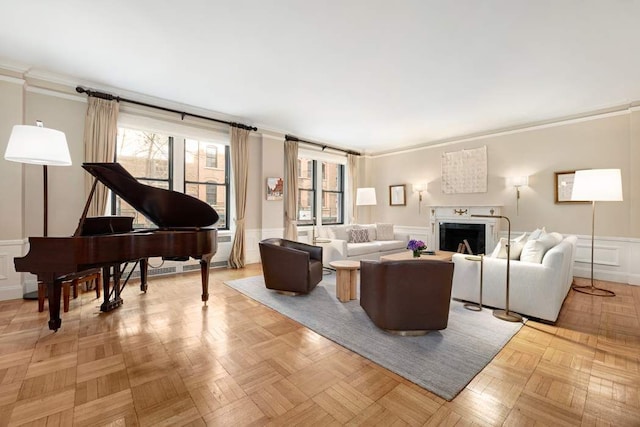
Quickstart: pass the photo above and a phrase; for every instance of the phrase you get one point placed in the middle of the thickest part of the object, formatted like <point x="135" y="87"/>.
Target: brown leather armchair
<point x="407" y="297"/>
<point x="290" y="267"/>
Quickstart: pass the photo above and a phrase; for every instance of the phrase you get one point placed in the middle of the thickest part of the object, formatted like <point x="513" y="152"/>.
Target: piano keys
<point x="185" y="230"/>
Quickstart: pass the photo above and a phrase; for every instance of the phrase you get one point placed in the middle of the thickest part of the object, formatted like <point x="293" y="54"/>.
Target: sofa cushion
<point x="356" y="249"/>
<point x="389" y="245"/>
<point x="384" y="232"/>
<point x="358" y="235"/>
<point x="514" y="252"/>
<point x="339" y="232"/>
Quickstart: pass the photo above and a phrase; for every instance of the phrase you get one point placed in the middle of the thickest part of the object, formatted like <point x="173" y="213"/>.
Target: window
<point x="212" y="194"/>
<point x="205" y="182"/>
<point x="306" y="192"/>
<point x="332" y="193"/>
<point x="330" y="207"/>
<point x="212" y="156"/>
<point x="149" y="157"/>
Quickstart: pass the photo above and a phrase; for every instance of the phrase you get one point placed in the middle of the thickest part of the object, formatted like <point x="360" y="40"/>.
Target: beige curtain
<point x="240" y="167"/>
<point x="290" y="190"/>
<point x="352" y="210"/>
<point x="100" y="133"/>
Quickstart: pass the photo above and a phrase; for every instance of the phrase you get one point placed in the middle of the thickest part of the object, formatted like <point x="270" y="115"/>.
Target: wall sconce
<point x="419" y="188"/>
<point x="517" y="181"/>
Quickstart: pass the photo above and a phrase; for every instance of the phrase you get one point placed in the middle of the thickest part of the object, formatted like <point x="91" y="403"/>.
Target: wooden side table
<point x="470" y="305"/>
<point x="346" y="279"/>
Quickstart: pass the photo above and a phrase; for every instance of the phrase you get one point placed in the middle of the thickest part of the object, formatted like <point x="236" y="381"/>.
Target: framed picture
<point x="274" y="188"/>
<point x="564" y="187"/>
<point x="397" y="195"/>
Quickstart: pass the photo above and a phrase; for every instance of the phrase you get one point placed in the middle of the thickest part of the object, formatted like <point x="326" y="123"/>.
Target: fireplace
<point x="452" y="234"/>
<point x="450" y="225"/>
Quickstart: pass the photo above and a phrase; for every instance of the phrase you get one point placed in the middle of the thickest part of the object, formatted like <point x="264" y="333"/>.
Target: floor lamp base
<point x="509" y="316"/>
<point x="592" y="290"/>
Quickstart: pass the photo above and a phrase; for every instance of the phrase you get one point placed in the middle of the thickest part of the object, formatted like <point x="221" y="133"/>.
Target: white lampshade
<point x="366" y="197"/>
<point x="37" y="145"/>
<point x="518" y="181"/>
<point x="600" y="185"/>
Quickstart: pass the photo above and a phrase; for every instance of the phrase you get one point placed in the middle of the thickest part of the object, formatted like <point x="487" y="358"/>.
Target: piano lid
<point x="165" y="208"/>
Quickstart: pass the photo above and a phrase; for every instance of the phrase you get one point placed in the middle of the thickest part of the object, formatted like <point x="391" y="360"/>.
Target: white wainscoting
<point x="11" y="286"/>
<point x="616" y="259"/>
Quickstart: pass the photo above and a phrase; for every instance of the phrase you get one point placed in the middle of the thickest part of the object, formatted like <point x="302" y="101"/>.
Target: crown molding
<point x="619" y="110"/>
<point x="13" y="66"/>
<point x="55" y="93"/>
<point x="10" y="79"/>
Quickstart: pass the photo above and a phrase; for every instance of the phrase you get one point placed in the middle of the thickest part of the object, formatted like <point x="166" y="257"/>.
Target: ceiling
<point x="370" y="75"/>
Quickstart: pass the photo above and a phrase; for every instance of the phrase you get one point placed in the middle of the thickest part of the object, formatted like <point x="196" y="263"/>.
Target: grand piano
<point x="185" y="229"/>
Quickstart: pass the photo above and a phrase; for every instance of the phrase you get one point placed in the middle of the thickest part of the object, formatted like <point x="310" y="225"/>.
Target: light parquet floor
<point x="163" y="359"/>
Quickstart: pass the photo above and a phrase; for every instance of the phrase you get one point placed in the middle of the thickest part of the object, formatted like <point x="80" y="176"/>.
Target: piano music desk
<point x="72" y="281"/>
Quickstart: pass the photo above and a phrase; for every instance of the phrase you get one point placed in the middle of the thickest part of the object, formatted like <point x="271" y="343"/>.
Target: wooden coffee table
<point x="346" y="277"/>
<point x="407" y="255"/>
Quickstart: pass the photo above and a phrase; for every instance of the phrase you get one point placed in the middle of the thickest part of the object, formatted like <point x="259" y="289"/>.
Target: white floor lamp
<point x="596" y="185"/>
<point x="40" y="146"/>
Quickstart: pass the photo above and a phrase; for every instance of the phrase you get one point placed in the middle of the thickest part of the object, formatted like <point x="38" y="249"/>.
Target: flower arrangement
<point x="416" y="246"/>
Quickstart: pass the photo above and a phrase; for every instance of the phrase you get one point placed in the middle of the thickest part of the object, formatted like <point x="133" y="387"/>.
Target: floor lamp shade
<point x="366" y="196"/>
<point x="597" y="185"/>
<point x="38" y="145"/>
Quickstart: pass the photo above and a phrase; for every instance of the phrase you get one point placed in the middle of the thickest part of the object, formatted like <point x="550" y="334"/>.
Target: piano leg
<point x="205" y="263"/>
<point x="110" y="303"/>
<point x="143" y="274"/>
<point x="54" y="289"/>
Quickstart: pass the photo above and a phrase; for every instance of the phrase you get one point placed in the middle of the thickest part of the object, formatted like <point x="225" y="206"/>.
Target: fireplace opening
<point x="454" y="233"/>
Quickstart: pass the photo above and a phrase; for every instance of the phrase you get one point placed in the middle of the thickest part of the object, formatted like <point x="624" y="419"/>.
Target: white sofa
<point x="536" y="289"/>
<point x="338" y="247"/>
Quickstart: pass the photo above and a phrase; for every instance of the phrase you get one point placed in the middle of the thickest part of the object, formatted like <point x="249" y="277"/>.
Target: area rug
<point x="443" y="362"/>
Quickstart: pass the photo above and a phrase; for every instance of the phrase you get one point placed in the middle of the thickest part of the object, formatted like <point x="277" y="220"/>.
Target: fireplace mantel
<point x="462" y="214"/>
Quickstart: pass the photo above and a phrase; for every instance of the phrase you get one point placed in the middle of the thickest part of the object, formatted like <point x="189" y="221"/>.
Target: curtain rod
<point x="109" y="97"/>
<point x="296" y="139"/>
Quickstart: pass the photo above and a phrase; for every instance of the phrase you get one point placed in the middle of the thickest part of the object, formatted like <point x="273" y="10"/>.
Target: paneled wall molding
<point x="11" y="283"/>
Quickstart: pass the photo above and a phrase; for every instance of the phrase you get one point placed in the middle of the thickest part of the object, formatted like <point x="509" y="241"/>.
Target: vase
<point x="416" y="254"/>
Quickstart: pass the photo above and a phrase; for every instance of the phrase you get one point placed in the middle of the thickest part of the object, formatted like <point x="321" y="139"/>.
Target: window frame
<point x="317" y="192"/>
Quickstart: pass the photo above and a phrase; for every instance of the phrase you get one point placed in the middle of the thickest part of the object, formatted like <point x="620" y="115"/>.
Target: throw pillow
<point x="385" y="231"/>
<point x="534" y="250"/>
<point x="514" y="252"/>
<point x="358" y="235"/>
<point x="535" y="234"/>
<point x="371" y="228"/>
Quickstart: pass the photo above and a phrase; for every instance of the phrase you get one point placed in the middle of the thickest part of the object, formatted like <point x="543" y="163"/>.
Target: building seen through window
<point x="148" y="156"/>
<point x="205" y="175"/>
